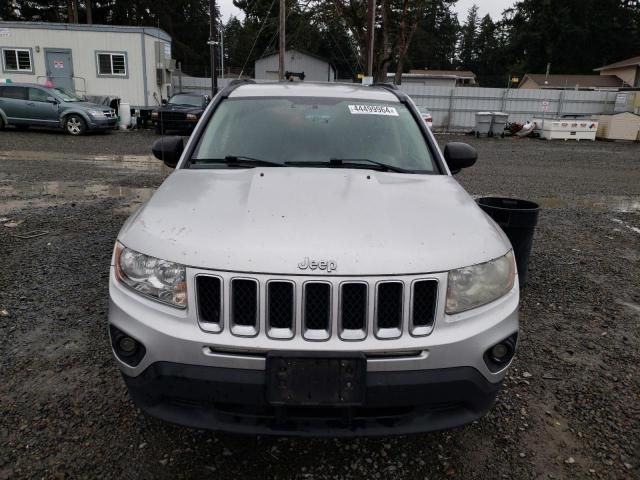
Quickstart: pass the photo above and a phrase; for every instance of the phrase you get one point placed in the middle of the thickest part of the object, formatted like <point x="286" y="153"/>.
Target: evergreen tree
<point x="468" y="55"/>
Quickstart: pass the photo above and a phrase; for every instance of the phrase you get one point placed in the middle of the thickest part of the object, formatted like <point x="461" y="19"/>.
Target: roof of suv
<point x="15" y="84"/>
<point x="322" y="90"/>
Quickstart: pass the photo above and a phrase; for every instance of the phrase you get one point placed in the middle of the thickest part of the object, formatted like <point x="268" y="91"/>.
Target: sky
<point x="492" y="7"/>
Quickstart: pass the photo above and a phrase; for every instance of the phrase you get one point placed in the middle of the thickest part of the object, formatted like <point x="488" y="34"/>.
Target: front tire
<point x="1" y="124"/>
<point x="75" y="125"/>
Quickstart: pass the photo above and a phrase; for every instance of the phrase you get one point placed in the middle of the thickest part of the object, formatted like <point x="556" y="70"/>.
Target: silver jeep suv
<point x="311" y="267"/>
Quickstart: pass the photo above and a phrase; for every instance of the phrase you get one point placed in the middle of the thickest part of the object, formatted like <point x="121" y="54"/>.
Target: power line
<point x="264" y="22"/>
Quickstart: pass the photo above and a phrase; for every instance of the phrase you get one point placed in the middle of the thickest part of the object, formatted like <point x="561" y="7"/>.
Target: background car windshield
<point x="315" y="130"/>
<point x="67" y="96"/>
<point x="193" y="100"/>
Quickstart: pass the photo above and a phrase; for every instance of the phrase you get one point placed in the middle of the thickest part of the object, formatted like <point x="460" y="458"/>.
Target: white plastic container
<point x="566" y="128"/>
<point x="125" y="115"/>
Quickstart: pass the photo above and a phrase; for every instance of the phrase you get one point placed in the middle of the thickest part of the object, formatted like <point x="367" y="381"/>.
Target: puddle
<point x="607" y="203"/>
<point x="53" y="193"/>
<point x="145" y="163"/>
<point x="626" y="225"/>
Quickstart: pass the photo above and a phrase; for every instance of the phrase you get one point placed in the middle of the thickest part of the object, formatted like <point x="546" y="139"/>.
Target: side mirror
<point x="164" y="101"/>
<point x="169" y="150"/>
<point x="52" y="100"/>
<point x="459" y="155"/>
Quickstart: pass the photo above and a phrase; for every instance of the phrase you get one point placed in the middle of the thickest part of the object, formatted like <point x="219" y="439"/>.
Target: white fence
<point x="200" y="85"/>
<point x="454" y="109"/>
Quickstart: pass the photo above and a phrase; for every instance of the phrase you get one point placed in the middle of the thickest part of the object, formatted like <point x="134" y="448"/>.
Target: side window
<point x="37" y="95"/>
<point x="1" y="92"/>
<point x="112" y="64"/>
<point x="19" y="93"/>
<point x="16" y="60"/>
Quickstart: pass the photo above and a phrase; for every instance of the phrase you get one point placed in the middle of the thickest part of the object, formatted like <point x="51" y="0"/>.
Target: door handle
<point x="31" y="104"/>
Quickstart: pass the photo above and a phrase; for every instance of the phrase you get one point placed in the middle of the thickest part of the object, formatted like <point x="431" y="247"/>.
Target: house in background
<point x="627" y="70"/>
<point x="131" y="63"/>
<point x="315" y="69"/>
<point x="571" y="82"/>
<point x="438" y="78"/>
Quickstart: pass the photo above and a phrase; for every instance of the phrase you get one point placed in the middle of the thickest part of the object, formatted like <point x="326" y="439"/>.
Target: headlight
<point x="478" y="285"/>
<point x="96" y="113"/>
<point x="154" y="114"/>
<point x="158" y="279"/>
<point x="192" y="116"/>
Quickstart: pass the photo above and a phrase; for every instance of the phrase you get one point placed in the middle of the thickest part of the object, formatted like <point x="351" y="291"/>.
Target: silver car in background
<point x="311" y="267"/>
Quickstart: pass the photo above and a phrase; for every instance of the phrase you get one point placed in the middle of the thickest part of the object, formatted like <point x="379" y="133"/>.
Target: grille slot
<point x="244" y="305"/>
<point x="353" y="309"/>
<point x="423" y="308"/>
<point x="280" y="304"/>
<point x="317" y="310"/>
<point x="389" y="309"/>
<point x="209" y="293"/>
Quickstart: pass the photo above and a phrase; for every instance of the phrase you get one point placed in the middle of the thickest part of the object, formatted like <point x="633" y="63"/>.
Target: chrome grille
<point x="317" y="308"/>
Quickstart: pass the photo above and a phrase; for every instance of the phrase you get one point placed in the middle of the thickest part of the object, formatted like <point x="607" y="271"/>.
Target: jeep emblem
<point x="328" y="265"/>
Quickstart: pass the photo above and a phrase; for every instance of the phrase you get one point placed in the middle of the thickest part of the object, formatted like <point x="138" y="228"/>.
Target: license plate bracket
<point x="301" y="379"/>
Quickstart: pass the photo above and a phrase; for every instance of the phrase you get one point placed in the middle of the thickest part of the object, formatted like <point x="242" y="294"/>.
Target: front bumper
<point x="413" y="384"/>
<point x="102" y="124"/>
<point x="233" y="400"/>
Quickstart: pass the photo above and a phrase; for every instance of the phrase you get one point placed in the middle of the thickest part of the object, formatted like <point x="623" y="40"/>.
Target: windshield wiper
<point x="351" y="163"/>
<point x="239" y="161"/>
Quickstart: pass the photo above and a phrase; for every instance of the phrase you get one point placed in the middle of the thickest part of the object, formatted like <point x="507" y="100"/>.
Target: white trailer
<point x="131" y="63"/>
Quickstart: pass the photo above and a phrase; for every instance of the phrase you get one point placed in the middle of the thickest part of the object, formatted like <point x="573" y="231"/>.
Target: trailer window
<point x="112" y="64"/>
<point x="16" y="60"/>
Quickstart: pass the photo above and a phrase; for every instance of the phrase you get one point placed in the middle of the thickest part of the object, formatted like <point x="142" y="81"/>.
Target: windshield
<point x="315" y="130"/>
<point x="67" y="96"/>
<point x="191" y="100"/>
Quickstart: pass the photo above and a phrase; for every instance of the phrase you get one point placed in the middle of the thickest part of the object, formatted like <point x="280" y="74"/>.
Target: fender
<point x="65" y="113"/>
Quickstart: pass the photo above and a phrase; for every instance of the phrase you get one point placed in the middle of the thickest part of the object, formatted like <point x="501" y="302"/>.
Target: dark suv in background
<point x="180" y="113"/>
<point x="30" y="105"/>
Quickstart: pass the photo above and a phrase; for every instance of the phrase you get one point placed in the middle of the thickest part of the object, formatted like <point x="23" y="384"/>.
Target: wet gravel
<point x="569" y="407"/>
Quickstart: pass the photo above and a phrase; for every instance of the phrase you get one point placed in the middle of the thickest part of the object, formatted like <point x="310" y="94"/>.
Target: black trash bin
<point x="518" y="219"/>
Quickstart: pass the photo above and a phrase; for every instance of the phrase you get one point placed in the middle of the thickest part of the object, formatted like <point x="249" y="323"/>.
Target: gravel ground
<point x="569" y="407"/>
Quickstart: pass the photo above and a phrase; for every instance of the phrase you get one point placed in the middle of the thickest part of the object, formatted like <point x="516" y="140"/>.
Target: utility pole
<point x="283" y="47"/>
<point x="213" y="21"/>
<point x="222" y="51"/>
<point x="371" y="36"/>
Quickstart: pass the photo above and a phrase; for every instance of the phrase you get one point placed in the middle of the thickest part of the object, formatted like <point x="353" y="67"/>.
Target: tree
<point x="491" y="65"/>
<point x="396" y="25"/>
<point x="409" y="17"/>
<point x="435" y="42"/>
<point x="574" y="37"/>
<point x="468" y="55"/>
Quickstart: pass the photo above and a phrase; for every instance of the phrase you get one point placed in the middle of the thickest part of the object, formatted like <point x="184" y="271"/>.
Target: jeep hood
<point x="267" y="220"/>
